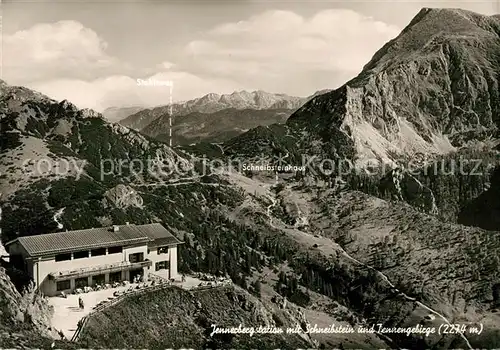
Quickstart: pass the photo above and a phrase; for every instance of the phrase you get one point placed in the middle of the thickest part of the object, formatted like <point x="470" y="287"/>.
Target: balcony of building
<point x="100" y="269"/>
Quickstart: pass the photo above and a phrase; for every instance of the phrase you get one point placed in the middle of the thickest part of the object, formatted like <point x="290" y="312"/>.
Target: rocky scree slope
<point x="429" y="90"/>
<point x="449" y="267"/>
<point x="412" y="264"/>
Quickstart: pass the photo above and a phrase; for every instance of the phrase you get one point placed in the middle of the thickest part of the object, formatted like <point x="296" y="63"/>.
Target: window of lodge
<point x="63" y="285"/>
<point x="162" y="250"/>
<point x="160" y="265"/>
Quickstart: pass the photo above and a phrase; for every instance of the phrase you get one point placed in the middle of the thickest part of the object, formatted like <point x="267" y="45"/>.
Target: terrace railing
<point x="91" y="270"/>
<point x="116" y="300"/>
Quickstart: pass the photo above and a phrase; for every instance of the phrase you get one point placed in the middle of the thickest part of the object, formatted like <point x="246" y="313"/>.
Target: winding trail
<point x="407" y="297"/>
<point x="273" y="204"/>
<point x="220" y="147"/>
<point x="273" y="200"/>
<point x="380" y="274"/>
<point x="175" y="182"/>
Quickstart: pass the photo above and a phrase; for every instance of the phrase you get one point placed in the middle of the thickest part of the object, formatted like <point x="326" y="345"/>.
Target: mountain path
<point x="312" y="238"/>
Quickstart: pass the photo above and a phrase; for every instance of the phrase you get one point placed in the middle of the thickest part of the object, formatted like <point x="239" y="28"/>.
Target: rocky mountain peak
<point x="428" y="90"/>
<point x="210" y="97"/>
<point x="90" y="113"/>
<point x="433" y="28"/>
<point x="68" y="105"/>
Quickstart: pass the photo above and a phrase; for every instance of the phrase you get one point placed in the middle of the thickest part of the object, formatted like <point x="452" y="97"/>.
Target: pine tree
<point x="257" y="287"/>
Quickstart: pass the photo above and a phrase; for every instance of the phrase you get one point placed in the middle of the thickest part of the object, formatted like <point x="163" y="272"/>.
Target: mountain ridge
<point x="212" y="103"/>
<point x="383" y="117"/>
<point x="218" y="126"/>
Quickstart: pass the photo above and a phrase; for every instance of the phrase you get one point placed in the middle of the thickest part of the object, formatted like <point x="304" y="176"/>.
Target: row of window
<point x="113" y="277"/>
<point x="100" y="251"/>
<point x="84" y="282"/>
<point x="85" y="253"/>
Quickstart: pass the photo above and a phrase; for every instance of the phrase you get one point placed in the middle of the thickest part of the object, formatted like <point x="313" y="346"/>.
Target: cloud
<point x="65" y="49"/>
<point x="66" y="60"/>
<point x="277" y="51"/>
<point x="274" y="22"/>
<point x="277" y="44"/>
<point x="166" y="65"/>
<point x="121" y="90"/>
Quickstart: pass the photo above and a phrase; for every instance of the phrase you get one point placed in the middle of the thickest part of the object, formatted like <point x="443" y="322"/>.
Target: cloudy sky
<point x="93" y="52"/>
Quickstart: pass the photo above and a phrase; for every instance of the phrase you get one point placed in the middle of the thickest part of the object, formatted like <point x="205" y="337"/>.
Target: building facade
<point x="63" y="261"/>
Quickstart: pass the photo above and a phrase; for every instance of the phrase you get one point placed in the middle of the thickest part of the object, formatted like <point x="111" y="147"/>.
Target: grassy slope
<point x="213" y="127"/>
<point x="178" y="318"/>
<point x="449" y="267"/>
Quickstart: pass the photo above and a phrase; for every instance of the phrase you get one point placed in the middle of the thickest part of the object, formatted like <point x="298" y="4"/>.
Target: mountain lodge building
<point x="64" y="261"/>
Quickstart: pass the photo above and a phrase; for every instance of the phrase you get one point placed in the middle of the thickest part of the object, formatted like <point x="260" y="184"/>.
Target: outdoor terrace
<point x="101" y="269"/>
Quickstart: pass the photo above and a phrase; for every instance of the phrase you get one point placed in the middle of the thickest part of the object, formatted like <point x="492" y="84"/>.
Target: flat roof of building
<point x="101" y="237"/>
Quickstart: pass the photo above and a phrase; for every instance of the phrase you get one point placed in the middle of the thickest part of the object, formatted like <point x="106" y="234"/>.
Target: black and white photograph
<point x="249" y="174"/>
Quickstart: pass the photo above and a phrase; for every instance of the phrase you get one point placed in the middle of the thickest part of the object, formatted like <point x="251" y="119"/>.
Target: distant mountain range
<point x="214" y="117"/>
<point x="212" y="102"/>
<point x="212" y="127"/>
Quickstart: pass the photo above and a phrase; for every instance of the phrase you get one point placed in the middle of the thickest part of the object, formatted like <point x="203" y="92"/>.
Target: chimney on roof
<point x="116" y="228"/>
